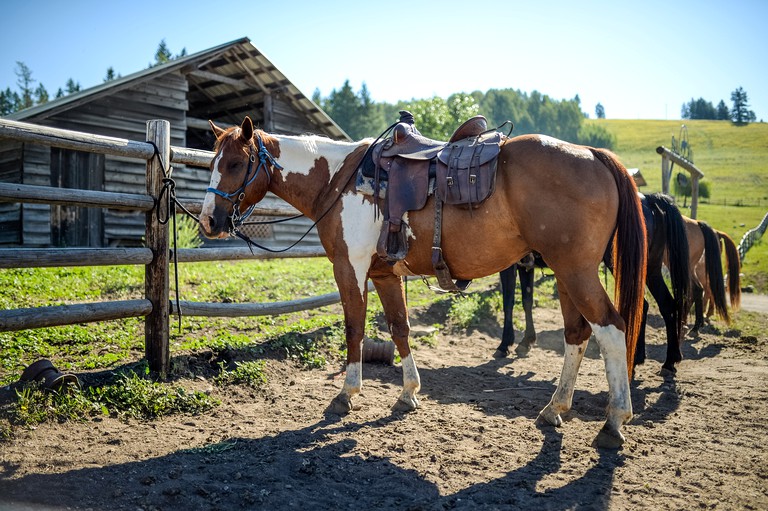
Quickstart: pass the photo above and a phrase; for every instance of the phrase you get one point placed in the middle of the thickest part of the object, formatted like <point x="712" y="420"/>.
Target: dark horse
<point x="561" y="200"/>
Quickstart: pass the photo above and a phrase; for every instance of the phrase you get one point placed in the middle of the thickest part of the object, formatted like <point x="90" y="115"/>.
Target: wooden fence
<point x="752" y="236"/>
<point x="156" y="305"/>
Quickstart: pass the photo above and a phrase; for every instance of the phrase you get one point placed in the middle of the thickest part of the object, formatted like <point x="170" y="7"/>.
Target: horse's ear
<point x="218" y="132"/>
<point x="246" y="129"/>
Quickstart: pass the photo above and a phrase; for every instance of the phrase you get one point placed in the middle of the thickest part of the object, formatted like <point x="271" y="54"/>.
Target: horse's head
<point x="241" y="173"/>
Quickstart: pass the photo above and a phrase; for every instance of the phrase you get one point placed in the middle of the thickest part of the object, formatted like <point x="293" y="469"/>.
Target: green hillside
<point x="734" y="160"/>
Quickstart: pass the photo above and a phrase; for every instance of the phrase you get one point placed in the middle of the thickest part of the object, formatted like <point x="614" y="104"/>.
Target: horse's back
<point x="561" y="192"/>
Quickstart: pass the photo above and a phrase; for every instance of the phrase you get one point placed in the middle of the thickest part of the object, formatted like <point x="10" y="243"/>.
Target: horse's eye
<point x="235" y="165"/>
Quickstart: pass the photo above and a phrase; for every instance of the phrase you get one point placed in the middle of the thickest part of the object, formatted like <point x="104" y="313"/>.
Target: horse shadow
<point x="517" y="489"/>
<point x="318" y="466"/>
<point x="493" y="389"/>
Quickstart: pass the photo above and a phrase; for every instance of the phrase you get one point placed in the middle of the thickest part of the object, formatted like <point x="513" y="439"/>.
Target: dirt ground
<point x="697" y="441"/>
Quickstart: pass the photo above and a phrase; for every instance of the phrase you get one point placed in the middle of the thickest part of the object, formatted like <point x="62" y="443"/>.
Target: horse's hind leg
<point x="392" y="295"/>
<point x="583" y="301"/>
<point x="666" y="305"/>
<point x="698" y="307"/>
<point x="526" y="296"/>
<point x="508" y="278"/>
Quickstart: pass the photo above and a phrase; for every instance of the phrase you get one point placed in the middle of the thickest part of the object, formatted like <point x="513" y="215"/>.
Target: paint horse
<point x="564" y="201"/>
<point x="667" y="245"/>
<point x="708" y="280"/>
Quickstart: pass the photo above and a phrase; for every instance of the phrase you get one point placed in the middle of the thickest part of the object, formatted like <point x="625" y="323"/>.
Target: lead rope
<point x="168" y="191"/>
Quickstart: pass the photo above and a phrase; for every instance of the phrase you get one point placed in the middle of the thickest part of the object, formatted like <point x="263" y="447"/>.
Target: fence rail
<point x="752" y="236"/>
<point x="156" y="305"/>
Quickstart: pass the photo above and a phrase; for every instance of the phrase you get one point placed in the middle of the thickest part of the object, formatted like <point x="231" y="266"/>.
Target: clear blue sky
<point x="640" y="59"/>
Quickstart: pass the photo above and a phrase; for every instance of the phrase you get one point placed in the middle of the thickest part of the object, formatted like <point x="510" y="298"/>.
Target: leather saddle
<point x="459" y="172"/>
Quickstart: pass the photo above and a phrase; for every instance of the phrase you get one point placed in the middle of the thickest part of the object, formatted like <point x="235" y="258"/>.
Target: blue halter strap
<point x="236" y="218"/>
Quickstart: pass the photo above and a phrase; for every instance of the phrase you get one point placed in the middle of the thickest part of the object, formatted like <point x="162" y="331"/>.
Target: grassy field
<point x="734" y="160"/>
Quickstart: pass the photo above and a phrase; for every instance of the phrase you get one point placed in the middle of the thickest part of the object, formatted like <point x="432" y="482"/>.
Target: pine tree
<point x="41" y="95"/>
<point x="740" y="113"/>
<point x="25" y="83"/>
<point x="111" y="75"/>
<point x="599" y="111"/>
<point x="162" y="55"/>
<point x="8" y="101"/>
<point x="72" y="86"/>
<point x="723" y="114"/>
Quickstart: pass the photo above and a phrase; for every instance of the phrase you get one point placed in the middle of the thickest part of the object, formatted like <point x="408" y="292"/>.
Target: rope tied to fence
<point x="168" y="196"/>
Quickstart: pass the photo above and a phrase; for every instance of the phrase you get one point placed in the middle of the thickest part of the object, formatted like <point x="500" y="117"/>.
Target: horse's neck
<point x="310" y="164"/>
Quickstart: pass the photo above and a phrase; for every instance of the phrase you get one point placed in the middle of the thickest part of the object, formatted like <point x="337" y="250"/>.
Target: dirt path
<point x="696" y="442"/>
<point x="754" y="302"/>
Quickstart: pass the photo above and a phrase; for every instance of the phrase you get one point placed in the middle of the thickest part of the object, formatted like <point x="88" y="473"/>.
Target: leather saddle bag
<point x="466" y="169"/>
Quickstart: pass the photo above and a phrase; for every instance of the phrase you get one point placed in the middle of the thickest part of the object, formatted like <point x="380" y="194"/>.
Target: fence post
<point x="156" y="273"/>
<point x="694" y="196"/>
<point x="665" y="174"/>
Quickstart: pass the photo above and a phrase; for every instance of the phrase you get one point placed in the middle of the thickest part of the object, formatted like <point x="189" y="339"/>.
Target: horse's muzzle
<point x="215" y="224"/>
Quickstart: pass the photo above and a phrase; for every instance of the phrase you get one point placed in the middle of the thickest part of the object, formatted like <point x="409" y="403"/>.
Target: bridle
<point x="237" y="218"/>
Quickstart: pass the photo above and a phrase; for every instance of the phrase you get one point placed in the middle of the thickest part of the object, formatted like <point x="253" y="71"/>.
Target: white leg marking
<point x="563" y="397"/>
<point x="411" y="378"/>
<point x="354" y="380"/>
<point x="614" y="351"/>
<point x="411" y="385"/>
<point x="360" y="234"/>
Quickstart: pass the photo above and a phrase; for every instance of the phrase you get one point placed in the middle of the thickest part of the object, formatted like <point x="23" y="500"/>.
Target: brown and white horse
<point x="561" y="200"/>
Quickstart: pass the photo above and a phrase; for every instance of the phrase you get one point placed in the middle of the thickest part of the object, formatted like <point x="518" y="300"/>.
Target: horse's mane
<point x="308" y="139"/>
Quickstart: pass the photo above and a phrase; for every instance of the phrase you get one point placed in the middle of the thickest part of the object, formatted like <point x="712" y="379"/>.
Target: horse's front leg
<point x="392" y="295"/>
<point x="354" y="301"/>
<point x="576" y="338"/>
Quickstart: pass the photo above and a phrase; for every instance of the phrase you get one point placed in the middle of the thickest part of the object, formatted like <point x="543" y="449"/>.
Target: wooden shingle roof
<point x="225" y="83"/>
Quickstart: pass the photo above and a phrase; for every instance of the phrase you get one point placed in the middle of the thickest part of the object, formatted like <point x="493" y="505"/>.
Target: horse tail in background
<point x="714" y="269"/>
<point x="677" y="253"/>
<point x="734" y="268"/>
<point x="629" y="252"/>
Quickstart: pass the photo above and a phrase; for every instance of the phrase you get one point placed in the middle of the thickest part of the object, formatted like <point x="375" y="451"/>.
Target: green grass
<point x="126" y="394"/>
<point x="249" y="372"/>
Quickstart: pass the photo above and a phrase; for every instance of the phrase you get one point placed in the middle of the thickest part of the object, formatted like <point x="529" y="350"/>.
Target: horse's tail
<point x="629" y="252"/>
<point x="677" y="253"/>
<point x="734" y="269"/>
<point x="713" y="267"/>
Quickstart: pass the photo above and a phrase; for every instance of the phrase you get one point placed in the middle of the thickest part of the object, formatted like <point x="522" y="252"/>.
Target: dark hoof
<point x="523" y="349"/>
<point x="609" y="439"/>
<point x="341" y="405"/>
<point x="500" y="354"/>
<point x="667" y="372"/>
<point x="403" y="407"/>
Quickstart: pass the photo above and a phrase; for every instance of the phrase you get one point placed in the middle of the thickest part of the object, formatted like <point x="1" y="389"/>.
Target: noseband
<point x="236" y="219"/>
